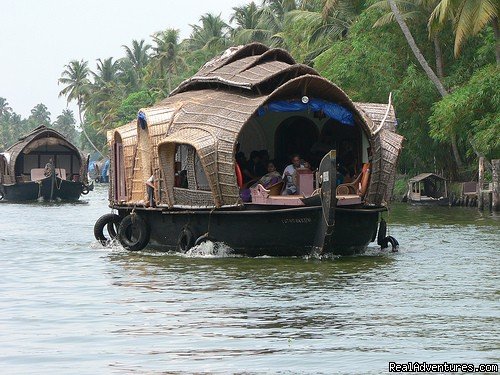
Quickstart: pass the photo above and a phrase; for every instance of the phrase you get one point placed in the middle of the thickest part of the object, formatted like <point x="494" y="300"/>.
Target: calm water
<point x="69" y="306"/>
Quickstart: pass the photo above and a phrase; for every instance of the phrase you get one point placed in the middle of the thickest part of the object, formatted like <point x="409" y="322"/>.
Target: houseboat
<point x="188" y="147"/>
<point x="43" y="165"/>
<point x="428" y="189"/>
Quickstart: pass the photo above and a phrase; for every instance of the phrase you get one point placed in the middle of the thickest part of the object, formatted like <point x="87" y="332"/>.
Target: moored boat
<point x="428" y="189"/>
<point x="43" y="164"/>
<point x="253" y="98"/>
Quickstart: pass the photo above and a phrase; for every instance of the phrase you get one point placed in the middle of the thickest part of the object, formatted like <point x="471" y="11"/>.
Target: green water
<point x="69" y="306"/>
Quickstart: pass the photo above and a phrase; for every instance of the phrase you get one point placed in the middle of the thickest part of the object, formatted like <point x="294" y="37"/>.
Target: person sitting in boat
<point x="49" y="168"/>
<point x="243" y="164"/>
<point x="290" y="174"/>
<point x="255" y="166"/>
<point x="150" y="186"/>
<point x="272" y="176"/>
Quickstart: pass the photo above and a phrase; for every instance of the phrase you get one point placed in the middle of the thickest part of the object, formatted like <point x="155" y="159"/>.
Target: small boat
<point x="253" y="98"/>
<point x="428" y="189"/>
<point x="43" y="164"/>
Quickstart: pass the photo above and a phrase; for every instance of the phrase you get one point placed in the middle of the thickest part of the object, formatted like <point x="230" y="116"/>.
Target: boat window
<point x="189" y="171"/>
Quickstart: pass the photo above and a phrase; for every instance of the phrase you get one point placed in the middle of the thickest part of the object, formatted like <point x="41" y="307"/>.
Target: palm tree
<point x="107" y="71"/>
<point x="430" y="73"/>
<point x="328" y="23"/>
<point x="273" y="15"/>
<point x="65" y="124"/>
<point x="40" y="115"/>
<point x="413" y="11"/>
<point x="249" y="25"/>
<point x="212" y="35"/>
<point x="469" y="17"/>
<point x="4" y="107"/>
<point x="138" y="56"/>
<point x="166" y="57"/>
<point x="75" y="77"/>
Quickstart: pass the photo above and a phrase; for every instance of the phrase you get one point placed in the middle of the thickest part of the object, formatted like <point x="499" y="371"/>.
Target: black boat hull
<point x="257" y="232"/>
<point x="47" y="189"/>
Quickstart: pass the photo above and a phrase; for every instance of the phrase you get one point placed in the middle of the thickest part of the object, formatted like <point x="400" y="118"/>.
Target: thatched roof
<point x="38" y="136"/>
<point x="423" y="176"/>
<point x="209" y="110"/>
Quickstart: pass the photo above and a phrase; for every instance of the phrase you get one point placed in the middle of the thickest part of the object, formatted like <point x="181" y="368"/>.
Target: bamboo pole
<point x="495" y="169"/>
<point x="480" y="183"/>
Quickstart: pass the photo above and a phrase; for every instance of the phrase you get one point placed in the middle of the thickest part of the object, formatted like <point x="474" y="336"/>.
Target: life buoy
<point x="111" y="222"/>
<point x="133" y="232"/>
<point x="186" y="240"/>
<point x="365" y="179"/>
<point x="85" y="190"/>
<point x="239" y="175"/>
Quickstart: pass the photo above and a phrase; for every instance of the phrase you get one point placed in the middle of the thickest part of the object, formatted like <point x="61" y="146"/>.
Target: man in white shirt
<point x="150" y="187"/>
<point x="290" y="174"/>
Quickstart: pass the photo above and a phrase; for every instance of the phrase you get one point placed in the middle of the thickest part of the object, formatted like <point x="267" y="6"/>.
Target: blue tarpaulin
<point x="331" y="110"/>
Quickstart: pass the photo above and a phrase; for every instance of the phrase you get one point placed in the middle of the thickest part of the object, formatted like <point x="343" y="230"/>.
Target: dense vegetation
<point x="449" y="110"/>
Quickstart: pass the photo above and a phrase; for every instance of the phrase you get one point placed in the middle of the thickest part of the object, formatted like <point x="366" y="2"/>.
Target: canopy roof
<point x="37" y="137"/>
<point x="209" y="110"/>
<point x="423" y="176"/>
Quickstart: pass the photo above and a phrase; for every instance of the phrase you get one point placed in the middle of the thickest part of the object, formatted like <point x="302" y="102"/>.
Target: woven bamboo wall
<point x="385" y="158"/>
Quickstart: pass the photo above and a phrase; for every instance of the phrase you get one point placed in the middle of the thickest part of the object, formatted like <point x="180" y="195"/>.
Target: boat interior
<point x="275" y="137"/>
<point x="30" y="163"/>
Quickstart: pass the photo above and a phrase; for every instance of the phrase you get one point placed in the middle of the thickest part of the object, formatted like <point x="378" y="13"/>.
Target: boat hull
<point x="47" y="189"/>
<point x="257" y="232"/>
<point x="430" y="202"/>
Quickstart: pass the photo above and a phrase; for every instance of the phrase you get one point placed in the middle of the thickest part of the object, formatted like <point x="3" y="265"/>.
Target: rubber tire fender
<point x="129" y="222"/>
<point x="203" y="238"/>
<point x="390" y="240"/>
<point x="186" y="240"/>
<point x="1" y="195"/>
<point x="85" y="190"/>
<point x="108" y="220"/>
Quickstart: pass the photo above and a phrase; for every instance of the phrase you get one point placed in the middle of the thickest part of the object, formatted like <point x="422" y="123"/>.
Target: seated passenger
<point x="290" y="174"/>
<point x="255" y="166"/>
<point x="271" y="177"/>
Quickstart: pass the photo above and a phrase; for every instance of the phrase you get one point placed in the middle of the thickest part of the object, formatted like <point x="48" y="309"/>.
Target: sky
<point x="39" y="37"/>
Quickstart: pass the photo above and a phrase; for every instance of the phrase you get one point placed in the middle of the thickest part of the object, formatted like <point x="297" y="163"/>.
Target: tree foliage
<point x="353" y="43"/>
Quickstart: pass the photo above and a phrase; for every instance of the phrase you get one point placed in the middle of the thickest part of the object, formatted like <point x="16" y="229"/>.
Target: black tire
<point x="203" y="238"/>
<point x="1" y="195"/>
<point x="389" y="240"/>
<point x="382" y="233"/>
<point x="186" y="240"/>
<point x="109" y="221"/>
<point x="85" y="190"/>
<point x="133" y="232"/>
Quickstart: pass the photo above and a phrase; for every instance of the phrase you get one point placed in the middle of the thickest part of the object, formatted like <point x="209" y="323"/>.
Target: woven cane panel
<point x="386" y="154"/>
<point x="196" y="198"/>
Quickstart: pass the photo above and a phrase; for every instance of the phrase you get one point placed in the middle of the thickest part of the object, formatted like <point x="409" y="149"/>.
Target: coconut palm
<point x="469" y="17"/>
<point x="65" y="124"/>
<point x="167" y="57"/>
<point x="249" y="24"/>
<point x="75" y="78"/>
<point x="107" y="71"/>
<point x="4" y="107"/>
<point x="327" y="23"/>
<point x="417" y="11"/>
<point x="430" y="73"/>
<point x="273" y="15"/>
<point x="138" y="56"/>
<point x="211" y="35"/>
<point x="40" y="115"/>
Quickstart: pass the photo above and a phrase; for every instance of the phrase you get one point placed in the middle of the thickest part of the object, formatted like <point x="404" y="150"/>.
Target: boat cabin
<point x="427" y="187"/>
<point x="196" y="144"/>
